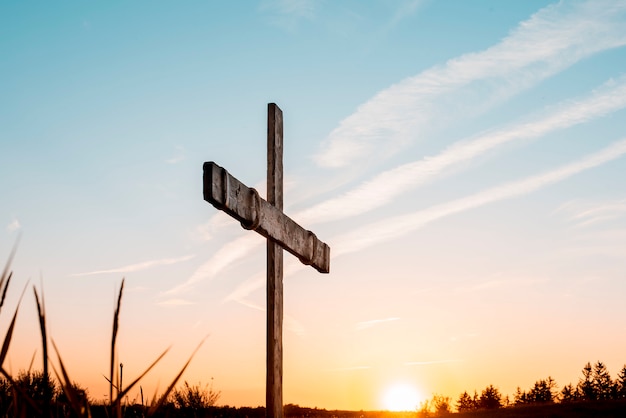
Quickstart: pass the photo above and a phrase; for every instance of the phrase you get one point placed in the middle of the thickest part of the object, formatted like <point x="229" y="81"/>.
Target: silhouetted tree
<point x="543" y="391"/>
<point x="490" y="398"/>
<point x="441" y="405"/>
<point x="602" y="382"/>
<point x="569" y="393"/>
<point x="520" y="397"/>
<point x="437" y="406"/>
<point x="424" y="409"/>
<point x="476" y="400"/>
<point x="465" y="403"/>
<point x="620" y="384"/>
<point x="585" y="385"/>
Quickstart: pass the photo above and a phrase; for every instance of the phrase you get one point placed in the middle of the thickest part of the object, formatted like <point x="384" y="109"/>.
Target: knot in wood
<point x="256" y="218"/>
<point x="312" y="247"/>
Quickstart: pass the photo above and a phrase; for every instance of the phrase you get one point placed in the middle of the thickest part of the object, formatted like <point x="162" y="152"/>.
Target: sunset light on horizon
<point x="465" y="162"/>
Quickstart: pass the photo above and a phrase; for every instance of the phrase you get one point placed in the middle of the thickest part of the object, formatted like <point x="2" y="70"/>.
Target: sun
<point x="401" y="397"/>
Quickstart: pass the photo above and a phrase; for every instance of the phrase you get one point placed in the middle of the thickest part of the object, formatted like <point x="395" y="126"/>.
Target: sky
<point x="464" y="161"/>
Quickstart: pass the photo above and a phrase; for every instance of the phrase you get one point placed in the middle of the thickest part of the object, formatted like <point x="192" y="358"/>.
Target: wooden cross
<point x="266" y="217"/>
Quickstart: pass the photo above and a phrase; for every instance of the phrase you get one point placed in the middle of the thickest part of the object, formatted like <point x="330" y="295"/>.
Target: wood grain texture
<point x="227" y="193"/>
<point x="266" y="217"/>
<point x="274" y="372"/>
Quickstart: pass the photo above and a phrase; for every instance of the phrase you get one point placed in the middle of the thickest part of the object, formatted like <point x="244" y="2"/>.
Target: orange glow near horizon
<point x="467" y="175"/>
<point x="401" y="397"/>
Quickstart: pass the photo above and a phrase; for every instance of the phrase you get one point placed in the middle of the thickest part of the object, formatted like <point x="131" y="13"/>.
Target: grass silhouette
<point x="36" y="394"/>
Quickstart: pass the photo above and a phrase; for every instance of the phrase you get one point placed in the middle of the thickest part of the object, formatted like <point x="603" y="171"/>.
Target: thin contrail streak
<point x="386" y="230"/>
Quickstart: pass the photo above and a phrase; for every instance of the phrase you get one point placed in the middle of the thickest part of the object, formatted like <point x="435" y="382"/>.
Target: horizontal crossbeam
<point x="243" y="203"/>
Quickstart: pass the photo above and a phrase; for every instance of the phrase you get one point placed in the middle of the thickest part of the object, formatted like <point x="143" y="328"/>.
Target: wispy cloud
<point x="139" y="266"/>
<point x="14" y="225"/>
<point x="464" y="336"/>
<point x="428" y="363"/>
<point x="288" y="13"/>
<point x="135" y="289"/>
<point x="543" y="45"/>
<point x="403" y="11"/>
<point x="589" y="213"/>
<point x="578" y="251"/>
<point x="206" y="231"/>
<point x="498" y="281"/>
<point x="294" y="326"/>
<point x="290" y="323"/>
<point x="224" y="257"/>
<point x="383" y="188"/>
<point x="244" y="289"/>
<point x="349" y="369"/>
<point x="401" y="225"/>
<point x="175" y="302"/>
<point x="548" y="42"/>
<point x="258" y="281"/>
<point x="369" y="324"/>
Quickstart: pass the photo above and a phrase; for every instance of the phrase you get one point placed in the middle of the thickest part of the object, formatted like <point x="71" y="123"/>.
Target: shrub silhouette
<point x="35" y="393"/>
<point x="194" y="398"/>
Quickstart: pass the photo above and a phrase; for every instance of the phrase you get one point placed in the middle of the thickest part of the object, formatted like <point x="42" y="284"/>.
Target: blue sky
<point x="464" y="161"/>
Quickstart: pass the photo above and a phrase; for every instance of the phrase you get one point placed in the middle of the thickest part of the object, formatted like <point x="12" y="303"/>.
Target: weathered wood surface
<point x="227" y="193"/>
<point x="274" y="294"/>
<point x="266" y="217"/>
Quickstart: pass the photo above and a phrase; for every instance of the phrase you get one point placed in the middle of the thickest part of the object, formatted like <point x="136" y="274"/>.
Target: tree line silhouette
<point x="595" y="387"/>
<point x="595" y="384"/>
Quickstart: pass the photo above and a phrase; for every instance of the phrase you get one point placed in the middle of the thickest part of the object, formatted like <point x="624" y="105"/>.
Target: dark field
<point x="604" y="409"/>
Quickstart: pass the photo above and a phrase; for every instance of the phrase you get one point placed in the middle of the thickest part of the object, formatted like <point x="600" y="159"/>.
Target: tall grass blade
<point x="111" y="383"/>
<point x="6" y="287"/>
<point x="9" y="334"/>
<point x="7" y="267"/>
<point x="155" y="406"/>
<point x="123" y="392"/>
<point x="44" y="343"/>
<point x="32" y="361"/>
<point x="116" y="323"/>
<point x="7" y="338"/>
<point x="76" y="401"/>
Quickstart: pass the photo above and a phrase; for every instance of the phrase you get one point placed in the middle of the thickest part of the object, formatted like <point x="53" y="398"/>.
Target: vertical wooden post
<point x="266" y="217"/>
<point x="274" y="377"/>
